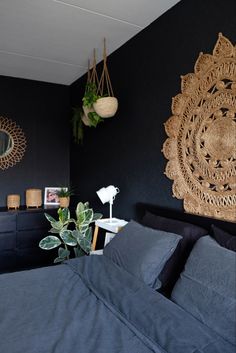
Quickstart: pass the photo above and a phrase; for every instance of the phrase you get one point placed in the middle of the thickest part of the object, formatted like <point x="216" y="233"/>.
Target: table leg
<point x="95" y="236"/>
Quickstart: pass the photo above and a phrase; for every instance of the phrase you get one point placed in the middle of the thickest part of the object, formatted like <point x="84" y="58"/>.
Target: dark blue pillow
<point x="223" y="238"/>
<point x="190" y="234"/>
<point x="142" y="251"/>
<point x="207" y="287"/>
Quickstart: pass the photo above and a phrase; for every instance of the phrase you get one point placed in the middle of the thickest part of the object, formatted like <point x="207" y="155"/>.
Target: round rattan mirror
<point x="12" y="143"/>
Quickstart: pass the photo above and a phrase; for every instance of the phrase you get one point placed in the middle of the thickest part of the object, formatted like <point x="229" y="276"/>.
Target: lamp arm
<point x="111" y="203"/>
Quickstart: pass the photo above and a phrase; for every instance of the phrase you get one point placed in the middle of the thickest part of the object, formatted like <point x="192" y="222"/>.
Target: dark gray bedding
<point x="90" y="305"/>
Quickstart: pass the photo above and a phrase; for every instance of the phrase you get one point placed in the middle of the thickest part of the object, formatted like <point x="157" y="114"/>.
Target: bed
<point x="125" y="300"/>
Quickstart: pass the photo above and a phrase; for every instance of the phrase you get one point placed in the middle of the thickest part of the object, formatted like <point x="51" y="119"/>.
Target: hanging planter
<point x="106" y="107"/>
<point x="106" y="104"/>
<point x="90" y="117"/>
<point x="84" y="116"/>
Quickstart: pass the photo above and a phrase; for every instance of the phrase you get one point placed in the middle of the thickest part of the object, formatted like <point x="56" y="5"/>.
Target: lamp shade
<point x="107" y="194"/>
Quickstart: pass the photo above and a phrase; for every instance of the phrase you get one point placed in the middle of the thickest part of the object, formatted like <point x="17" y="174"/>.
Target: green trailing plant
<point x="90" y="94"/>
<point x="69" y="233"/>
<point x="90" y="97"/>
<point x="77" y="125"/>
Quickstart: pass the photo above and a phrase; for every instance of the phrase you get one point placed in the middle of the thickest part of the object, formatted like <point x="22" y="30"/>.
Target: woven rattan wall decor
<point x="201" y="143"/>
<point x="14" y="136"/>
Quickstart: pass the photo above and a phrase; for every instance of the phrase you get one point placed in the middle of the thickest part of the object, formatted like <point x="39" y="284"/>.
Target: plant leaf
<point x="76" y="234"/>
<point x="49" y="217"/>
<point x="86" y="205"/>
<point x="58" y="225"/>
<point x="54" y="231"/>
<point x="78" y="252"/>
<point x="49" y="242"/>
<point x="79" y="209"/>
<point x="84" y="240"/>
<point x="97" y="216"/>
<point x="82" y="227"/>
<point x="63" y="253"/>
<point x="67" y="237"/>
<point x="58" y="259"/>
<point x="64" y="214"/>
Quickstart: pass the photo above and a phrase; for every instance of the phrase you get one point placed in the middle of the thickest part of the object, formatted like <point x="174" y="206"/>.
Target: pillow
<point x="207" y="287"/>
<point x="223" y="238"/>
<point x="142" y="251"/>
<point x="174" y="266"/>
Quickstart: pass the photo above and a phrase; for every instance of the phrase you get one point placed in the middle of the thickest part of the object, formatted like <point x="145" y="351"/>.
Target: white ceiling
<point x="52" y="40"/>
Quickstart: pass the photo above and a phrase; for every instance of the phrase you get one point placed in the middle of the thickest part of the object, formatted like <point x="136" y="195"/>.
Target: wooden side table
<point x="114" y="225"/>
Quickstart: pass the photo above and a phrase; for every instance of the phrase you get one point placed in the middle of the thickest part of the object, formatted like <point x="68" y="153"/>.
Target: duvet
<point x="91" y="305"/>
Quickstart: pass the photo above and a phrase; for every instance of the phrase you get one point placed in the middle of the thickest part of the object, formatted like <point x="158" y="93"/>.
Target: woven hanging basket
<point x="106" y="107"/>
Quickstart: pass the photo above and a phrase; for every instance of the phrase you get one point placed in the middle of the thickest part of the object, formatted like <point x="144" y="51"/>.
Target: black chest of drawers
<point x="20" y="233"/>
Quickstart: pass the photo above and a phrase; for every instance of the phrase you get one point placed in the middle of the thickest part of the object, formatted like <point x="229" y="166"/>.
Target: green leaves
<point x="68" y="238"/>
<point x="90" y="95"/>
<point x="96" y="216"/>
<point x="79" y="238"/>
<point x="64" y="215"/>
<point x="63" y="254"/>
<point x="84" y="239"/>
<point x="77" y="125"/>
<point x="94" y="119"/>
<point x="49" y="242"/>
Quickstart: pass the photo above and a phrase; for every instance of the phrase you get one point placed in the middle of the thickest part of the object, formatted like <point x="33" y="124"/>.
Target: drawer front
<point x="7" y="223"/>
<point x="34" y="257"/>
<point x="30" y="238"/>
<point x="7" y="261"/>
<point x="7" y="241"/>
<point x="33" y="219"/>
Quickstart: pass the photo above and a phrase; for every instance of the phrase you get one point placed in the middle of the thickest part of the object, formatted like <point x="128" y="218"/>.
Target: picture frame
<point x="50" y="195"/>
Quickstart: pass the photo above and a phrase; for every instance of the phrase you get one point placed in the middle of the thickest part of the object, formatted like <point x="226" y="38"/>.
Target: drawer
<point x="32" y="220"/>
<point x="30" y="238"/>
<point x="7" y="241"/>
<point x="7" y="222"/>
<point x="34" y="257"/>
<point x="7" y="261"/>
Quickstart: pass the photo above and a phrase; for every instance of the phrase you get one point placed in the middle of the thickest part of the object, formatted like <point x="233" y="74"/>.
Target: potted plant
<point x="78" y="237"/>
<point x="77" y="124"/>
<point x="106" y="104"/>
<point x="64" y="196"/>
<point x="90" y="118"/>
<point x="106" y="107"/>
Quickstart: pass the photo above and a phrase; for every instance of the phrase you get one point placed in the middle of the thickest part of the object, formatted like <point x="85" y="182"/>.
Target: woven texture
<point x="33" y="197"/>
<point x="201" y="147"/>
<point x="13" y="201"/>
<point x="17" y="151"/>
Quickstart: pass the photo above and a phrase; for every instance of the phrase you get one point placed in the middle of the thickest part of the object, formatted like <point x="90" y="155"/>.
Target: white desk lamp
<point x="108" y="194"/>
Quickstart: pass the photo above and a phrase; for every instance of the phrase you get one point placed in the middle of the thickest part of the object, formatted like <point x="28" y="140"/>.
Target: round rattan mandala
<point x="201" y="147"/>
<point x="18" y="143"/>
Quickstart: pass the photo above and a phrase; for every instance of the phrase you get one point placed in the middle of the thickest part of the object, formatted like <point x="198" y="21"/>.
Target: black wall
<point x="42" y="111"/>
<point x="145" y="72"/>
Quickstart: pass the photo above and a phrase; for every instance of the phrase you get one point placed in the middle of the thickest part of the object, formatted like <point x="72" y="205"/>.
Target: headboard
<point x="201" y="221"/>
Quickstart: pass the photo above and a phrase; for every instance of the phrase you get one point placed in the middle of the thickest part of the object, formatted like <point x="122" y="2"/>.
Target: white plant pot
<point x="85" y="117"/>
<point x="106" y="107"/>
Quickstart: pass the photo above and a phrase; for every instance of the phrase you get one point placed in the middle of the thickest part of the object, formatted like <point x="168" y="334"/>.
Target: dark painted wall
<point x="42" y="111"/>
<point x="145" y="72"/>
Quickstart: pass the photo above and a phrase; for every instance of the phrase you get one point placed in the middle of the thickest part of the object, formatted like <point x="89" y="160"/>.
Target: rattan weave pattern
<point x="16" y="153"/>
<point x="201" y="143"/>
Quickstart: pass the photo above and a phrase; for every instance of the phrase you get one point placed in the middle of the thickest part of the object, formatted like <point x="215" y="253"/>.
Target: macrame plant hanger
<point x="107" y="105"/>
<point x="105" y="86"/>
<point x="92" y="79"/>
